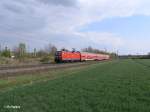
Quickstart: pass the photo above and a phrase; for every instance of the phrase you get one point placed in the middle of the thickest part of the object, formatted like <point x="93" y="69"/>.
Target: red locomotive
<point x="76" y="56"/>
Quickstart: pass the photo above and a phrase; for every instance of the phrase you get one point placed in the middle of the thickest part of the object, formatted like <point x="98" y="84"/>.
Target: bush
<point x="6" y="53"/>
<point x="45" y="59"/>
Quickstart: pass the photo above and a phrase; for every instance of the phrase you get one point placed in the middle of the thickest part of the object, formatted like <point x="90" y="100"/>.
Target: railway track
<point x="5" y="67"/>
<point x="6" y="71"/>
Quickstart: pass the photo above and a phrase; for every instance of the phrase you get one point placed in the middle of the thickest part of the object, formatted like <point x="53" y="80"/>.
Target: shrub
<point x="6" y="53"/>
<point x="46" y="59"/>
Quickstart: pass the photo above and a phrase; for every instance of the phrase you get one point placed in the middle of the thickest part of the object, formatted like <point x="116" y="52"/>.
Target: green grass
<point x="7" y="83"/>
<point x="117" y="86"/>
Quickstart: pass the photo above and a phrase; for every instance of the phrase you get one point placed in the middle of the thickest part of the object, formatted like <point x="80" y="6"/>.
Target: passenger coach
<point x="76" y="56"/>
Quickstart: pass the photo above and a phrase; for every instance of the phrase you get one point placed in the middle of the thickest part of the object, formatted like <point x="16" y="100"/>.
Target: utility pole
<point x="117" y="52"/>
<point x="34" y="52"/>
<point x="6" y="48"/>
<point x="0" y="48"/>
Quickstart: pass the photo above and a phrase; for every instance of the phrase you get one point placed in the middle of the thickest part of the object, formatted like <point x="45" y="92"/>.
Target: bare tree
<point x="6" y="52"/>
<point x="88" y="49"/>
<point x="50" y="49"/>
<point x="93" y="50"/>
<point x="41" y="53"/>
<point x="15" y="51"/>
<point x="20" y="50"/>
<point x="53" y="50"/>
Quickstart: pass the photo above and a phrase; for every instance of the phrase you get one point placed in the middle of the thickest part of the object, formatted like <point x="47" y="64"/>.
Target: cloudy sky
<point x="122" y="25"/>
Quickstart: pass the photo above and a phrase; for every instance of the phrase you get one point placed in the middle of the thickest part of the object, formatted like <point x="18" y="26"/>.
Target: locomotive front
<point x="58" y="56"/>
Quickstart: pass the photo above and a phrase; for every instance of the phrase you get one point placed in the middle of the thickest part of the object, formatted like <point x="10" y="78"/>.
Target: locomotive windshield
<point x="58" y="53"/>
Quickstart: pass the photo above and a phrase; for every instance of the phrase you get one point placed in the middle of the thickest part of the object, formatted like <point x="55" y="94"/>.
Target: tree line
<point x="20" y="51"/>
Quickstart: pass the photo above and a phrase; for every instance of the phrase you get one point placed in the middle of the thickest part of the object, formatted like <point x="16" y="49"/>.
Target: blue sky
<point x="120" y="25"/>
<point x="135" y="29"/>
<point x="129" y="27"/>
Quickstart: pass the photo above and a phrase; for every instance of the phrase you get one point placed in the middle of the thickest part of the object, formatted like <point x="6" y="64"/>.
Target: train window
<point x="58" y="53"/>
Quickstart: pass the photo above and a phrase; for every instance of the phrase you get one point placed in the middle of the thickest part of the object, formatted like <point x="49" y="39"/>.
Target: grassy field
<point x="116" y="86"/>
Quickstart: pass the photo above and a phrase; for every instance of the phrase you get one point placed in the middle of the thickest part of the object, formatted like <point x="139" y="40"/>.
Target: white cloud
<point x="58" y="22"/>
<point x="104" y="38"/>
<point x="135" y="46"/>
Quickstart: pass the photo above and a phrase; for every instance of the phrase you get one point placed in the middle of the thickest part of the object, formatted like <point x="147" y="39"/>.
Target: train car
<point x="85" y="56"/>
<point x="67" y="56"/>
